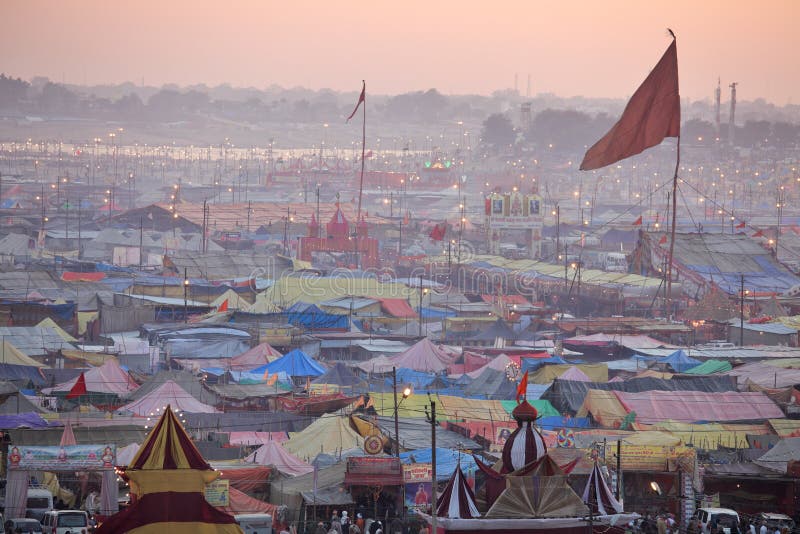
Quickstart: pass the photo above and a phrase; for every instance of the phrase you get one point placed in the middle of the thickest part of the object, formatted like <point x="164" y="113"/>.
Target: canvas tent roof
<point x="272" y="453"/>
<point x="765" y="375"/>
<point x="691" y="406"/>
<point x="567" y="395"/>
<point x="48" y="322"/>
<point x="167" y="393"/>
<point x="777" y="458"/>
<point x="574" y="373"/>
<point x="424" y="356"/>
<point x="259" y="355"/>
<point x="709" y="367"/>
<point x="9" y="354"/>
<point x="339" y="375"/>
<point x="109" y="378"/>
<point x="679" y="361"/>
<point x="326" y="434"/>
<point x="295" y="363"/>
<point x="186" y="380"/>
<point x="498" y="329"/>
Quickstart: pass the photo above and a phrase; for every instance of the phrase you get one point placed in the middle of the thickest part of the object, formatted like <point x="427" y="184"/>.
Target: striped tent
<point x="598" y="496"/>
<point x="167" y="481"/>
<point x="457" y="500"/>
<point x="525" y="444"/>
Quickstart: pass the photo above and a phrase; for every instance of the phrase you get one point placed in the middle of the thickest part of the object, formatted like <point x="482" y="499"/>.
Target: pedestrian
<point x="354" y="529"/>
<point x="345" y="521"/>
<point x="360" y="521"/>
<point x="763" y="529"/>
<point x="661" y="524"/>
<point x="320" y="528"/>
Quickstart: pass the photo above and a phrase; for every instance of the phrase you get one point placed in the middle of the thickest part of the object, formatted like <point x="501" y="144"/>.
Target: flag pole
<point x="361" y="180"/>
<point x="672" y="229"/>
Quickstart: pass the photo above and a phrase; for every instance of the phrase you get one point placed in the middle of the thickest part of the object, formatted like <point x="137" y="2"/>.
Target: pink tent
<point x="68" y="437"/>
<point x="167" y="393"/>
<point x="573" y="373"/>
<point x="255" y="357"/>
<point x="424" y="356"/>
<point x="108" y="378"/>
<point x="690" y="406"/>
<point x="272" y="453"/>
<point x="498" y="363"/>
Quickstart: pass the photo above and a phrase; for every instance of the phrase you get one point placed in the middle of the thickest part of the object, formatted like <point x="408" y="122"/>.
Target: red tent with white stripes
<point x="457" y="500"/>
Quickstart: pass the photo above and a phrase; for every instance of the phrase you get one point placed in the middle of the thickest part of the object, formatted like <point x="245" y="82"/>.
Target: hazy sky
<point x="594" y="48"/>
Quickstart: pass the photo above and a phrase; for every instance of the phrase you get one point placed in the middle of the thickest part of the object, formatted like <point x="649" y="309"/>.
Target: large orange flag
<point x="653" y="113"/>
<point x="522" y="388"/>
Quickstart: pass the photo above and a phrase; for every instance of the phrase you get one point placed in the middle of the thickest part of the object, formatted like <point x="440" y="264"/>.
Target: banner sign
<point x="647" y="457"/>
<point x="68" y="457"/>
<point x="417" y="478"/>
<point x="218" y="492"/>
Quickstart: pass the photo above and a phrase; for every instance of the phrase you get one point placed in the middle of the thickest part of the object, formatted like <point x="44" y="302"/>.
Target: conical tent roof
<point x="457" y="500"/>
<point x="326" y="434"/>
<point x="423" y="356"/>
<point x="109" y="378"/>
<point x="259" y="355"/>
<point x="272" y="453"/>
<point x="235" y="301"/>
<point x="168" y="476"/>
<point x="679" y="361"/>
<point x="499" y="329"/>
<point x="294" y="363"/>
<point x="573" y="373"/>
<point x="339" y="375"/>
<point x="714" y="306"/>
<point x="169" y="393"/>
<point x="186" y="380"/>
<point x="598" y="496"/>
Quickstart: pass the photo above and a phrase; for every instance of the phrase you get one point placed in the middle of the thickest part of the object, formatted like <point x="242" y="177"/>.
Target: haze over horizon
<point x="569" y="49"/>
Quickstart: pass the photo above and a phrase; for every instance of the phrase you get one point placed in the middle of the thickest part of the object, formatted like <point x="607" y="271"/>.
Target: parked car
<point x="710" y="519"/>
<point x="24" y="524"/>
<point x="775" y="521"/>
<point x="65" y="522"/>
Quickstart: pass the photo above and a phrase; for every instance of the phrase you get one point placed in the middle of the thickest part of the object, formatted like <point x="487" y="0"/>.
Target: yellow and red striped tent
<point x="167" y="481"/>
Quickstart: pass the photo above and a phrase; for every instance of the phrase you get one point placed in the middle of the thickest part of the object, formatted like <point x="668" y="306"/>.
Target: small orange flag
<point x="522" y="388"/>
<point x="638" y="221"/>
<point x="224" y="306"/>
<point x="663" y="240"/>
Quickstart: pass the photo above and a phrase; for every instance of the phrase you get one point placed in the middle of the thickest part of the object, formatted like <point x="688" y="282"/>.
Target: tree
<point x="498" y="131"/>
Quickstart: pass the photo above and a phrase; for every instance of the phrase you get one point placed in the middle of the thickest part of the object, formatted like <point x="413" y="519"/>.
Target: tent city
<point x="427" y="300"/>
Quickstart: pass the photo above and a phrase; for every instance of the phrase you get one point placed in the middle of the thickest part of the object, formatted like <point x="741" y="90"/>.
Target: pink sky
<point x="591" y="48"/>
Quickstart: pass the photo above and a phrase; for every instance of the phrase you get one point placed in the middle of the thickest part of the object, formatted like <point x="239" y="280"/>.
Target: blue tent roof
<point x="446" y="461"/>
<point x="679" y="361"/>
<point x="294" y="363"/>
<point x="531" y="364"/>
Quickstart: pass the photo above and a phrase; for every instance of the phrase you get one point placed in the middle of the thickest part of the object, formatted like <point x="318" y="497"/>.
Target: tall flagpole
<point x="672" y="230"/>
<point x="361" y="181"/>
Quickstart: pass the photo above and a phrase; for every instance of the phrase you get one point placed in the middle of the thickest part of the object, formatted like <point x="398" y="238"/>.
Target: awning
<point x="373" y="471"/>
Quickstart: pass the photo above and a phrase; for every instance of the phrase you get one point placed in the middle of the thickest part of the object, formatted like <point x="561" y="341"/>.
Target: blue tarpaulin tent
<point x="679" y="361"/>
<point x="294" y="363"/>
<point x="531" y="364"/>
<point x="311" y="316"/>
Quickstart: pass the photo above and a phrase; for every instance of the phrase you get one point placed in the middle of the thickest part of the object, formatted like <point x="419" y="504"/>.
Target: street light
<point x="185" y="297"/>
<point x="406" y="394"/>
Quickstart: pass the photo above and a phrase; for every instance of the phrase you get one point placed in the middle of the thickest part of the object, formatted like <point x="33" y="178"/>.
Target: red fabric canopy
<point x="399" y="308"/>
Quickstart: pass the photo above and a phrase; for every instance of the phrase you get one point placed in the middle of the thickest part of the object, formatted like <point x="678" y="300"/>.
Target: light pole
<point x="406" y="394"/>
<point x="185" y="297"/>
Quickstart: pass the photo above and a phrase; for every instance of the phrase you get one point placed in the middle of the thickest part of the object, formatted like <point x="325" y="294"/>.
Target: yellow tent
<point x="604" y="407"/>
<point x="329" y="433"/>
<point x="472" y="409"/>
<point x="597" y="372"/>
<point x="12" y="355"/>
<point x="235" y="301"/>
<point x="413" y="406"/>
<point x="60" y="331"/>
<point x="289" y="290"/>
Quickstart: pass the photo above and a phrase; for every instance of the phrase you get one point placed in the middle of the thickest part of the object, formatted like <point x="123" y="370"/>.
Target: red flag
<point x="438" y="232"/>
<point x="638" y="221"/>
<point x="522" y="388"/>
<point x="368" y="154"/>
<point x="663" y="240"/>
<point x="224" y="306"/>
<point x="406" y="219"/>
<point x="78" y="389"/>
<point x="759" y="233"/>
<point x="740" y="225"/>
<point x="652" y="113"/>
<point x="360" y="100"/>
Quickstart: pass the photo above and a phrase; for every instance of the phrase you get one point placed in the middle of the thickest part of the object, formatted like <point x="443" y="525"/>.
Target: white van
<point x="40" y="501"/>
<point x="254" y="523"/>
<point x="65" y="522"/>
<point x="712" y="518"/>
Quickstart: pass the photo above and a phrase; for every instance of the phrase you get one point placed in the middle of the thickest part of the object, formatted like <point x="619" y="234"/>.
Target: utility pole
<point x="433" y="466"/>
<point x="741" y="312"/>
<point x="420" y="305"/>
<point x="732" y="120"/>
<point x="396" y="422"/>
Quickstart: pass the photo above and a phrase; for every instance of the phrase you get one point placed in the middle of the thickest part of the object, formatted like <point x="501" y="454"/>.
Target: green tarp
<point x="544" y="407"/>
<point x="710" y="367"/>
